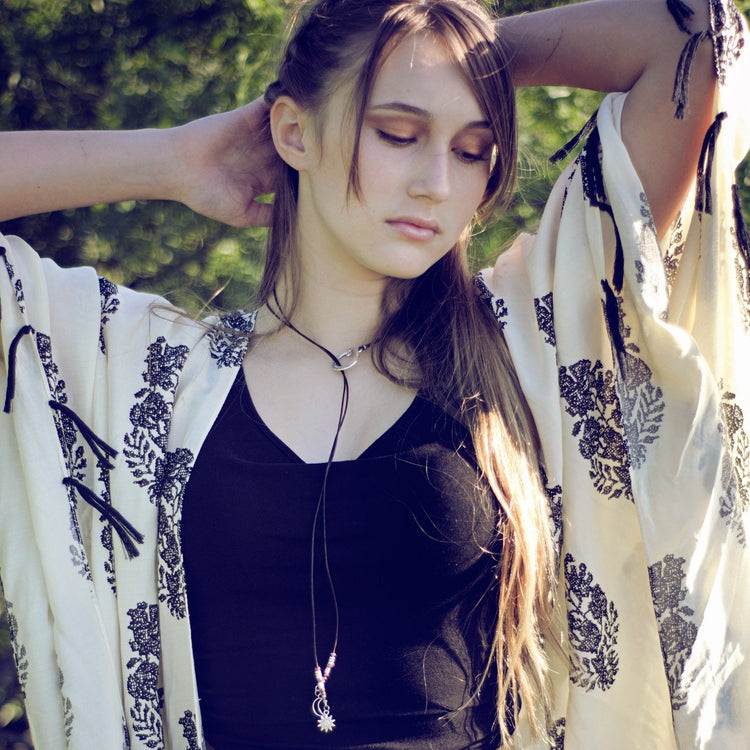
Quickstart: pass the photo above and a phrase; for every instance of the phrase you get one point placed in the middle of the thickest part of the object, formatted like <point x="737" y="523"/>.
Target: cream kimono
<point x="634" y="358"/>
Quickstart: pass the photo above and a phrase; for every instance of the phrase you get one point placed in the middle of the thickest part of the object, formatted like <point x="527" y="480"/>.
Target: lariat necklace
<point x="320" y="707"/>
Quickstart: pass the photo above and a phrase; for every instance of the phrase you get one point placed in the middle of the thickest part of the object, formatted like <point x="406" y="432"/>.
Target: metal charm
<point x="352" y="354"/>
<point x="321" y="709"/>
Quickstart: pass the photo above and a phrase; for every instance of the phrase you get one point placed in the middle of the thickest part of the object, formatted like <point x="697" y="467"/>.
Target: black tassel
<point x="99" y="448"/>
<point x="125" y="530"/>
<point x="563" y="152"/>
<point x="618" y="274"/>
<point x="743" y="238"/>
<point x="717" y="16"/>
<point x="703" y="199"/>
<point x="591" y="171"/>
<point x="592" y="178"/>
<point x="682" y="76"/>
<point x="594" y="192"/>
<point x="612" y="316"/>
<point x="10" y="388"/>
<point x="681" y="12"/>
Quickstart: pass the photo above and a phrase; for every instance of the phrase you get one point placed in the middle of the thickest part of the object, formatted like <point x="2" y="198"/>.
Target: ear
<point x="289" y="128"/>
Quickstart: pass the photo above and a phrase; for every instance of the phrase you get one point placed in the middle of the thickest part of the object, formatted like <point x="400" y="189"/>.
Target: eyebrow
<point x="410" y="109"/>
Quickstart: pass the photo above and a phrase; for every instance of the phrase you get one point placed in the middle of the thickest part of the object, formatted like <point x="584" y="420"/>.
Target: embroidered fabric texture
<point x="640" y="394"/>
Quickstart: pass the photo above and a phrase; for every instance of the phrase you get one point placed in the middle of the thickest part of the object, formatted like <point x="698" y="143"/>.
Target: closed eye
<point x="470" y="158"/>
<point x="395" y="140"/>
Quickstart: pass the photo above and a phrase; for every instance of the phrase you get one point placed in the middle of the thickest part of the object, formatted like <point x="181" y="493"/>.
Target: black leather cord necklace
<point x="320" y="707"/>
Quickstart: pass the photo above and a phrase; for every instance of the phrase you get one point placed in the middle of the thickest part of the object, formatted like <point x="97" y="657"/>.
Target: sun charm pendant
<point x="326" y="723"/>
<point x="322" y="711"/>
<point x="320" y="707"/>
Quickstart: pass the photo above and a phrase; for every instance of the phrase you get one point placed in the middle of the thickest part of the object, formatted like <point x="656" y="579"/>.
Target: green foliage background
<point x="137" y="63"/>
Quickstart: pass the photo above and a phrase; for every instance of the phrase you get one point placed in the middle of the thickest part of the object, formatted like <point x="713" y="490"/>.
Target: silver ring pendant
<point x="352" y="354"/>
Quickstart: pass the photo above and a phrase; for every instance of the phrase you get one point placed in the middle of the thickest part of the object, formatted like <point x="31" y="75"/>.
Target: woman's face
<point x="424" y="156"/>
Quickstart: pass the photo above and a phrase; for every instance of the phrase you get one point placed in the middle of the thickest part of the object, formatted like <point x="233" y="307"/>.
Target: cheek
<point x="381" y="173"/>
<point x="472" y="190"/>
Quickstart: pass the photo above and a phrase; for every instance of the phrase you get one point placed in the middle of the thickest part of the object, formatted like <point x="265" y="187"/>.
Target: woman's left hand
<point x="224" y="163"/>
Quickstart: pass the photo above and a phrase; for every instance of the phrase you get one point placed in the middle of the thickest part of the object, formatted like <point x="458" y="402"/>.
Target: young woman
<point x="341" y="500"/>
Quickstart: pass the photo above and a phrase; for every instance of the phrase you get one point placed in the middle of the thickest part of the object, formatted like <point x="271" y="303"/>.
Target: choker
<point x="345" y="361"/>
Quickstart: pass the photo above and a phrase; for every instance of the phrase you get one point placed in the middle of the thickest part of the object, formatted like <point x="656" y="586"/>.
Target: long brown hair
<point x="457" y="353"/>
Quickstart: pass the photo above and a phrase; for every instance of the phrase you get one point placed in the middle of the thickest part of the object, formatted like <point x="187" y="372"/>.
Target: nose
<point x="431" y="178"/>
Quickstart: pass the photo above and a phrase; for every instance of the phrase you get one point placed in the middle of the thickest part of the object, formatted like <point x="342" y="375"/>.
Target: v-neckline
<point x="248" y="406"/>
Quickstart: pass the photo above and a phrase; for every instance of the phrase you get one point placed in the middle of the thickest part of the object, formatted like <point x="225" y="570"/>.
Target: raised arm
<point x="217" y="166"/>
<point x="635" y="46"/>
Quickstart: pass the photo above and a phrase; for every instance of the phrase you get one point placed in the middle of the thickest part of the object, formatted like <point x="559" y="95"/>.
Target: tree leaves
<point x="74" y="64"/>
<point x="128" y="64"/>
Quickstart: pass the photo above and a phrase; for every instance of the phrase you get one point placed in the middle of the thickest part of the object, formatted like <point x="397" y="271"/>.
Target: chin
<point x="411" y="269"/>
<point x="407" y="275"/>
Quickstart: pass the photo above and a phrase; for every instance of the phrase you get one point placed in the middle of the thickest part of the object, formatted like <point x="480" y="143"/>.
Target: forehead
<point x="421" y="72"/>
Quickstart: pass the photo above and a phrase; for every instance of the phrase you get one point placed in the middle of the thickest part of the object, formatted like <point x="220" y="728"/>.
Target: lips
<point x="415" y="228"/>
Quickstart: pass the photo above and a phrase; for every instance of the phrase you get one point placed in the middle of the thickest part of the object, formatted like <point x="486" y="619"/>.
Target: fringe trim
<point x="129" y="536"/>
<point x="724" y="31"/>
<point x="10" y="388"/>
<point x="703" y="197"/>
<point x="612" y="316"/>
<point x="593" y="187"/>
<point x="563" y="152"/>
<point x="591" y="171"/>
<point x="682" y="75"/>
<point x="681" y="12"/>
<point x="99" y="448"/>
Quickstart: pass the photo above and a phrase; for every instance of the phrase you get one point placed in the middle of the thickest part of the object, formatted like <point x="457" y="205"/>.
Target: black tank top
<point x="412" y="550"/>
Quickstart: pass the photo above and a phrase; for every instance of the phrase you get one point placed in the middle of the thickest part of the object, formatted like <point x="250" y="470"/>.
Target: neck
<point x="338" y="314"/>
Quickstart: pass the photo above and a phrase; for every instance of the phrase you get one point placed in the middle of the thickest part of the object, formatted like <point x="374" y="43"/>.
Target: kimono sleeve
<point x="634" y="356"/>
<point x="52" y="466"/>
